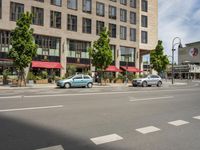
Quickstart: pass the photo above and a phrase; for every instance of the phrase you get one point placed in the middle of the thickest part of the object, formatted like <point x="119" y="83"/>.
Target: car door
<point x="77" y="81"/>
<point x="154" y="79"/>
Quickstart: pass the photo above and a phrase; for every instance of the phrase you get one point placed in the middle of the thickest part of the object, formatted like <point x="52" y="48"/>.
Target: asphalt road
<point x="117" y="118"/>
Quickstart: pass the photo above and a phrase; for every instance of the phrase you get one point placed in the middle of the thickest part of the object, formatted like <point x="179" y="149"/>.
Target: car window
<point x="86" y="77"/>
<point x="78" y="77"/>
<point x="154" y="76"/>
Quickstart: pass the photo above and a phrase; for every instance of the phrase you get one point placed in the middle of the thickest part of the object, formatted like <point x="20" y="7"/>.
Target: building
<point x="64" y="29"/>
<point x="188" y="62"/>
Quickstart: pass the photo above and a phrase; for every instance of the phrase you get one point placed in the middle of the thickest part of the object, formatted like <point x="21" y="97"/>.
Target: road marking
<point x="197" y="117"/>
<point x="148" y="129"/>
<point x="106" y="139"/>
<point x="31" y="108"/>
<point x="153" y="98"/>
<point x="59" y="147"/>
<point x="178" y="122"/>
<point x="10" y="97"/>
<point x="103" y="93"/>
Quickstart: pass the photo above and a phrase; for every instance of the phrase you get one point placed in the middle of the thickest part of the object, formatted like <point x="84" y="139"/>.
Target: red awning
<point x="131" y="69"/>
<point x="48" y="65"/>
<point x="113" y="69"/>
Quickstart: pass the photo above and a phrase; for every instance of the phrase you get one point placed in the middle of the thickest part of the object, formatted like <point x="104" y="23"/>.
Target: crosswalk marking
<point x="106" y="139"/>
<point x="148" y="129"/>
<point x="197" y="117"/>
<point x="58" y="147"/>
<point x="178" y="122"/>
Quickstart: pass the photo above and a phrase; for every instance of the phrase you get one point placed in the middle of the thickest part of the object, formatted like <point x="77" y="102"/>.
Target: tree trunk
<point x="21" y="78"/>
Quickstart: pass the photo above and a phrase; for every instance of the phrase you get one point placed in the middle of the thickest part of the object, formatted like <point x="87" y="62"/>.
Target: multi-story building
<point x="64" y="29"/>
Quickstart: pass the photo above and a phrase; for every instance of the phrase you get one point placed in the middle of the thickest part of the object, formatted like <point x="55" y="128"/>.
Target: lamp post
<point x="127" y="60"/>
<point x="173" y="50"/>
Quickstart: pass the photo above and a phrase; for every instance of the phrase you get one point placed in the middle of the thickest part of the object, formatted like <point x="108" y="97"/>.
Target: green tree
<point x="158" y="60"/>
<point x="23" y="46"/>
<point x="100" y="52"/>
<point x="70" y="70"/>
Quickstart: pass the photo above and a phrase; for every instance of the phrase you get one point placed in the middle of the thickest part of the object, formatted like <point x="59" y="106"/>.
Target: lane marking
<point x="108" y="93"/>
<point x="148" y="129"/>
<point x="106" y="139"/>
<point x="197" y="117"/>
<point x="178" y="122"/>
<point x="10" y="97"/>
<point x="58" y="147"/>
<point x="30" y="108"/>
<point x="153" y="98"/>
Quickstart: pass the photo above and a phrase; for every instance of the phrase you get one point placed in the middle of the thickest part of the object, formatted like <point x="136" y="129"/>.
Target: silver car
<point x="148" y="81"/>
<point x="79" y="80"/>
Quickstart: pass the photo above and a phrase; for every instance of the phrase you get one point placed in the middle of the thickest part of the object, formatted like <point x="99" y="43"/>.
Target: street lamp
<point x="173" y="50"/>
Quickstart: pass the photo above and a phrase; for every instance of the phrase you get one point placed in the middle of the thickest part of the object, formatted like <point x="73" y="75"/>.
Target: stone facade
<point x="64" y="34"/>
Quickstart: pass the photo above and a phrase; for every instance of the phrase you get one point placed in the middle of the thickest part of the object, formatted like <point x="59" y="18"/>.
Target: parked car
<point x="148" y="81"/>
<point x="79" y="80"/>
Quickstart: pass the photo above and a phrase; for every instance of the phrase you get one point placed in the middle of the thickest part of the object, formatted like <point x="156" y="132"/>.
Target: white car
<point x="148" y="81"/>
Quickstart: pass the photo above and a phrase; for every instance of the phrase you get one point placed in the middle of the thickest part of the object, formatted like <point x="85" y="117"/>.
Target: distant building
<point x="188" y="62"/>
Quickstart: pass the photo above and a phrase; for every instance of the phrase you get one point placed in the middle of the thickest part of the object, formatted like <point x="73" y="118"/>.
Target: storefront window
<point x="127" y="54"/>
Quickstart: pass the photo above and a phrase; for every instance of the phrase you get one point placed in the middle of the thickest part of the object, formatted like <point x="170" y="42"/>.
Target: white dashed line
<point x="153" y="98"/>
<point x="148" y="129"/>
<point x="197" y="117"/>
<point x="106" y="139"/>
<point x="178" y="122"/>
<point x="30" y="108"/>
<point x="59" y="147"/>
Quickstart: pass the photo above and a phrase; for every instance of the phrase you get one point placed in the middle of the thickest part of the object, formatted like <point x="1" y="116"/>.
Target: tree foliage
<point x="23" y="46"/>
<point x="100" y="52"/>
<point x="158" y="60"/>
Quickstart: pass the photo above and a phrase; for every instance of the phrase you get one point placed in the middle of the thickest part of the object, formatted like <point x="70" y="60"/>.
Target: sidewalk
<point x="96" y="85"/>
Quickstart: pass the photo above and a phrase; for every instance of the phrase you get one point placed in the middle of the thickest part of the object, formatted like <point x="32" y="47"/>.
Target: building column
<point x="63" y="56"/>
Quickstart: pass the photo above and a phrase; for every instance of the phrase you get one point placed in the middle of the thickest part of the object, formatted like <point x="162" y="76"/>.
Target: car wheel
<point x="159" y="84"/>
<point x="67" y="85"/>
<point x="89" y="85"/>
<point x="144" y="84"/>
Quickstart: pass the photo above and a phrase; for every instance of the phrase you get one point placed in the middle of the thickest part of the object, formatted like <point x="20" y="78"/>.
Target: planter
<point x="118" y="81"/>
<point x="42" y="81"/>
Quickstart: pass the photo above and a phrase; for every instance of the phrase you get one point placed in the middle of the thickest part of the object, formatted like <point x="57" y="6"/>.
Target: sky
<point x="178" y="18"/>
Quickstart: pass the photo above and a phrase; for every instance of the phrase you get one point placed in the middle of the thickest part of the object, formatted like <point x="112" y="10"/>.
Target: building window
<point x="144" y="5"/>
<point x="72" y="4"/>
<point x="4" y="41"/>
<point x="112" y="12"/>
<point x="87" y="25"/>
<point x="71" y="22"/>
<point x="16" y="9"/>
<point x="144" y="21"/>
<point x="144" y="37"/>
<point x="113" y="30"/>
<point x="132" y="34"/>
<point x="100" y="9"/>
<point x="123" y="2"/>
<point x="55" y="19"/>
<point x="99" y="27"/>
<point x="0" y="9"/>
<point x="56" y="2"/>
<point x="47" y="46"/>
<point x="113" y="48"/>
<point x="78" y="46"/>
<point x="133" y="3"/>
<point x="122" y="32"/>
<point x="38" y="16"/>
<point x="40" y="0"/>
<point x="132" y="17"/>
<point x="113" y="0"/>
<point x="87" y="6"/>
<point x="127" y="54"/>
<point x="123" y="15"/>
